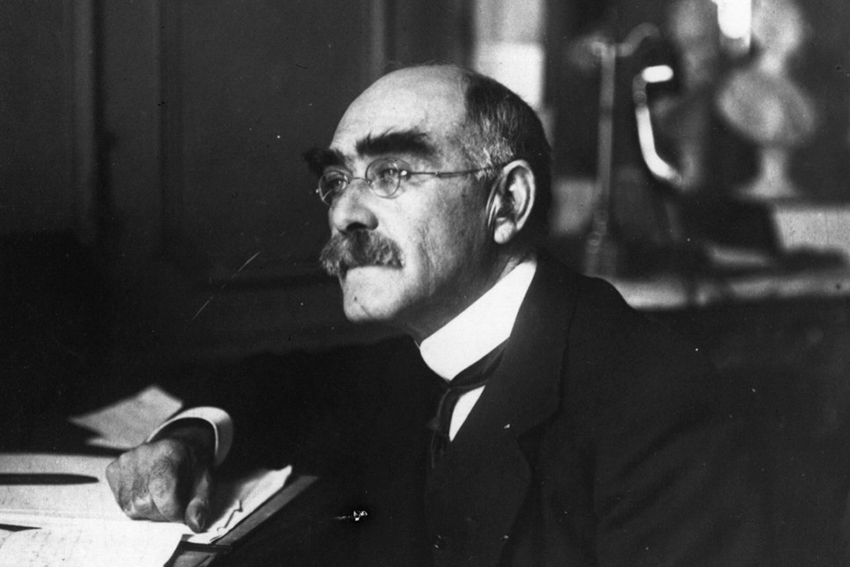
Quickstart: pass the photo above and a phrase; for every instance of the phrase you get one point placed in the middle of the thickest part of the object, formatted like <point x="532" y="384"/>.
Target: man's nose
<point x="351" y="210"/>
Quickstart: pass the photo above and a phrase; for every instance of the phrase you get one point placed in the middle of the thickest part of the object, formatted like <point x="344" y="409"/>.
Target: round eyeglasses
<point x="384" y="177"/>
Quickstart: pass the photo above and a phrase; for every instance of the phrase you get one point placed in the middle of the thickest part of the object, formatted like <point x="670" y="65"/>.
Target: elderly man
<point x="573" y="430"/>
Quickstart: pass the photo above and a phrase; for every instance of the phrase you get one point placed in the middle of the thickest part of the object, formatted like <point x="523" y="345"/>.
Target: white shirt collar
<point x="481" y="327"/>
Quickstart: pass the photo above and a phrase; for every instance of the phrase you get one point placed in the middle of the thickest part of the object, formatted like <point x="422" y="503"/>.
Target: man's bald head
<point x="490" y="124"/>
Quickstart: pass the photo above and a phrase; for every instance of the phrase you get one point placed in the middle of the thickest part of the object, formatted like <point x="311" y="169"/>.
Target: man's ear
<point x="511" y="200"/>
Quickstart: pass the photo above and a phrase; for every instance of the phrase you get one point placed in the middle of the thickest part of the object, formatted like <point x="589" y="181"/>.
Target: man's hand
<point x="163" y="481"/>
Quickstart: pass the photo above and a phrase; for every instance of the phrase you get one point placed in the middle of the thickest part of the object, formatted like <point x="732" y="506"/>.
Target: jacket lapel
<point x="473" y="497"/>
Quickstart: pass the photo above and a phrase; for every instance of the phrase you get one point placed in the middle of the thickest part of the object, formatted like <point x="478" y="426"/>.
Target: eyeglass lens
<point x="383" y="176"/>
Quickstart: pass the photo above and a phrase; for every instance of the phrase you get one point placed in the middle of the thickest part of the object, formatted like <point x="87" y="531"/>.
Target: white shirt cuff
<point x="221" y="423"/>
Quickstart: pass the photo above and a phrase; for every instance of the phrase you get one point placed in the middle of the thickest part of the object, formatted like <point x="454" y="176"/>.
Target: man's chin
<point x="369" y="293"/>
<point x="360" y="312"/>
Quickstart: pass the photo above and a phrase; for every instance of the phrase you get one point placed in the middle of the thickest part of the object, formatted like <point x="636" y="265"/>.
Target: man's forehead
<point x="427" y="104"/>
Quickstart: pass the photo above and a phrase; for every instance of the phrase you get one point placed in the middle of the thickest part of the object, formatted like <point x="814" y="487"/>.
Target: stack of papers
<point x="80" y="525"/>
<point x="96" y="545"/>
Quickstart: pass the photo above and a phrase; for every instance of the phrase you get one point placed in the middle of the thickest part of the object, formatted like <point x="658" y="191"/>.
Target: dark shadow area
<point x="55" y="330"/>
<point x="795" y="356"/>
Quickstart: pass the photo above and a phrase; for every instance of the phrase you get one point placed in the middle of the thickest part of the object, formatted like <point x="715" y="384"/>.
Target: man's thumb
<point x="198" y="510"/>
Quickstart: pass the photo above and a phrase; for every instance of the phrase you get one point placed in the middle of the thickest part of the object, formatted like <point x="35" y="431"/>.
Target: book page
<point x="97" y="544"/>
<point x="51" y="505"/>
<point x="235" y="501"/>
<point x="81" y="524"/>
<point x="32" y="505"/>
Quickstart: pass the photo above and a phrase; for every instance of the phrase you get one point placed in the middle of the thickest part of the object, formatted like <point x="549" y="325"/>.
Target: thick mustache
<point x="358" y="248"/>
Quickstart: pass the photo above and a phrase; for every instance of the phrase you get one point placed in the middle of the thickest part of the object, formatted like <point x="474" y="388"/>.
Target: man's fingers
<point x="198" y="510"/>
<point x="128" y="485"/>
<point x="142" y="507"/>
<point x="163" y="490"/>
<point x="113" y="477"/>
<point x="153" y="481"/>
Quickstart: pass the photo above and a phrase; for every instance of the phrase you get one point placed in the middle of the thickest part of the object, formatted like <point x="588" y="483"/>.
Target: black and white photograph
<point x="485" y="283"/>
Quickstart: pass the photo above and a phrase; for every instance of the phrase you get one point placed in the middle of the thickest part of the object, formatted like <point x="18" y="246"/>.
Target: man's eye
<point x="388" y="172"/>
<point x="334" y="181"/>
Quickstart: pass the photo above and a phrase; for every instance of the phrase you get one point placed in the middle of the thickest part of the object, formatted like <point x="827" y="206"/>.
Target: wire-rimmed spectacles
<point x="384" y="177"/>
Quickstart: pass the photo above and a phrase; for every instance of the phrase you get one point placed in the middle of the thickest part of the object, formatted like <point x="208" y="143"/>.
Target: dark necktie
<point x="469" y="379"/>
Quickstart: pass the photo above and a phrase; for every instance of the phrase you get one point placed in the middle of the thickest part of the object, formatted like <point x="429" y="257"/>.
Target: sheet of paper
<point x="235" y="501"/>
<point x="82" y="525"/>
<point x="97" y="544"/>
<point x="53" y="505"/>
<point x="128" y="422"/>
<point x="23" y="505"/>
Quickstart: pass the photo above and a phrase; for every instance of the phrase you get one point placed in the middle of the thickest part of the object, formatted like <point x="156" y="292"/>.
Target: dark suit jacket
<point x="601" y="439"/>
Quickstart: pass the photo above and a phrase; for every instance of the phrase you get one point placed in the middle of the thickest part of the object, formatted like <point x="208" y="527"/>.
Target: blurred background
<point x="155" y="212"/>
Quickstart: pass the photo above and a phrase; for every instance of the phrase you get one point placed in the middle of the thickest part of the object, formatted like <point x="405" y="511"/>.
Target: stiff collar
<point x="481" y="327"/>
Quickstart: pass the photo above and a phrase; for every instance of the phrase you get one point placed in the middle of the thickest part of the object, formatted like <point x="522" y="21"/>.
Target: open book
<point x="81" y="524"/>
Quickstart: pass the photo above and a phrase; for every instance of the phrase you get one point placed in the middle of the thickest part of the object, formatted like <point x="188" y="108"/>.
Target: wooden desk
<point x="192" y="555"/>
<point x="297" y="527"/>
<point x="669" y="291"/>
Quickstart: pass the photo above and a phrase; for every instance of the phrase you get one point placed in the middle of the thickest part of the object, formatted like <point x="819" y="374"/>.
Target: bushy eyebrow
<point x="403" y="142"/>
<point x="318" y="159"/>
